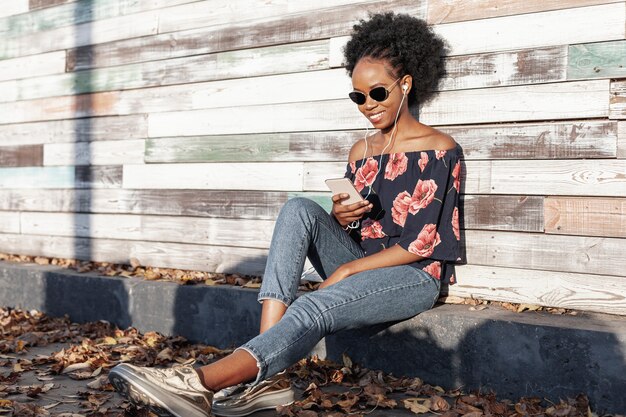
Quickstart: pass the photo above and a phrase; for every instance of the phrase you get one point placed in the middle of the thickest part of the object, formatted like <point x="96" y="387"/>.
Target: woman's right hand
<point x="346" y="214"/>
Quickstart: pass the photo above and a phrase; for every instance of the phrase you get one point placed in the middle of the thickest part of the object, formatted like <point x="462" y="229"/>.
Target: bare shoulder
<point x="356" y="152"/>
<point x="442" y="141"/>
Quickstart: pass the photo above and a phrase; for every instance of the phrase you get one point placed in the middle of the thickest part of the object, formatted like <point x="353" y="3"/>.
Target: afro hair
<point x="407" y="44"/>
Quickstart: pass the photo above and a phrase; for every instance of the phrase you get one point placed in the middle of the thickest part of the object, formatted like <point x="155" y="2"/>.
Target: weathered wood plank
<point x="179" y="229"/>
<point x="260" y="205"/>
<point x="597" y="60"/>
<point x="9" y="222"/>
<point x="33" y="66"/>
<point x="286" y="176"/>
<point x="525" y="177"/>
<point x="555" y="140"/>
<point x="493" y="212"/>
<point x="617" y="106"/>
<point x="447" y="11"/>
<point x="91" y="33"/>
<point x="282" y="59"/>
<point x="586" y="216"/>
<point x="593" y="255"/>
<point x="578" y="99"/>
<point x="61" y="177"/>
<point x="40" y="4"/>
<point x="75" y="130"/>
<point x="602" y="23"/>
<point x="75" y="13"/>
<point x="558" y="140"/>
<point x="13" y="7"/>
<point x="498" y="69"/>
<point x="227" y="259"/>
<point x="259" y="32"/>
<point x="253" y="147"/>
<point x="621" y="140"/>
<point x="600" y="293"/>
<point x="21" y="156"/>
<point x="113" y="152"/>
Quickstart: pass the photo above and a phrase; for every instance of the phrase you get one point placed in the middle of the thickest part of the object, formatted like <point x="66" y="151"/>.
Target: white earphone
<point x="405" y="87"/>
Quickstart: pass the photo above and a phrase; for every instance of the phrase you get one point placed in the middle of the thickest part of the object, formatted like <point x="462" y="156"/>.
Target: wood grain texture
<point x="285" y="176"/>
<point x="21" y="156"/>
<point x="494" y="212"/>
<point x="181" y="229"/>
<point x="577" y="99"/>
<point x="497" y="69"/>
<point x="593" y="255"/>
<point x="254" y="205"/>
<point x="40" y="4"/>
<point x="597" y="60"/>
<point x="446" y="11"/>
<point x="581" y="291"/>
<point x="75" y="130"/>
<point x="113" y="152"/>
<point x="551" y="140"/>
<point x="226" y="259"/>
<point x="621" y="140"/>
<point x="61" y="177"/>
<point x="75" y="13"/>
<point x="564" y="100"/>
<point x="585" y="216"/>
<point x="121" y="27"/>
<point x="602" y="23"/>
<point x="235" y="35"/>
<point x="268" y="147"/>
<point x="525" y="177"/>
<point x="617" y="106"/>
<point x="32" y="66"/>
<point x="241" y="65"/>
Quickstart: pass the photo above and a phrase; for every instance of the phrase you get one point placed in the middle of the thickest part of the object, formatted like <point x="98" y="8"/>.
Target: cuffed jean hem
<point x="259" y="363"/>
<point x="274" y="296"/>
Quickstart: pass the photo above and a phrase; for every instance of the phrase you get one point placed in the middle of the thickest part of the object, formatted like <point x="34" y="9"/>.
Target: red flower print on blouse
<point x="423" y="195"/>
<point x="371" y="229"/>
<point x="456" y="173"/>
<point x="353" y="166"/>
<point x="455" y="223"/>
<point x="366" y="175"/>
<point x="396" y="165"/>
<point x="423" y="161"/>
<point x="400" y="208"/>
<point x="439" y="154"/>
<point x="433" y="269"/>
<point x="426" y="241"/>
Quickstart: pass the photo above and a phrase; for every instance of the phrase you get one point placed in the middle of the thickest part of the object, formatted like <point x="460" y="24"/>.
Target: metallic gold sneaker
<point x="173" y="391"/>
<point x="243" y="400"/>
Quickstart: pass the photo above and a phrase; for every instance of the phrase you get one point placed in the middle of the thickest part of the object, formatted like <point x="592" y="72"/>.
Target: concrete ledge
<point x="529" y="354"/>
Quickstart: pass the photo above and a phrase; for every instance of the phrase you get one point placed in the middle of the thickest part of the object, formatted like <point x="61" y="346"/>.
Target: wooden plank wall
<point x="173" y="131"/>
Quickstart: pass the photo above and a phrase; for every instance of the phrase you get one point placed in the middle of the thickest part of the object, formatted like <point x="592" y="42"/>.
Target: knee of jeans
<point x="300" y="205"/>
<point x="305" y="310"/>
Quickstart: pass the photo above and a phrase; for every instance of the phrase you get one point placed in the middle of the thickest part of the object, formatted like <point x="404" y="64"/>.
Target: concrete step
<point x="526" y="354"/>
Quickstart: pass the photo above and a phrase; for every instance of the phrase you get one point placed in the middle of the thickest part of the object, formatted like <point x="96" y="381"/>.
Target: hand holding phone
<point x="348" y="204"/>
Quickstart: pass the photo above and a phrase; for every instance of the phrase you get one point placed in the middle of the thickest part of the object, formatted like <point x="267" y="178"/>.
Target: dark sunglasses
<point x="378" y="94"/>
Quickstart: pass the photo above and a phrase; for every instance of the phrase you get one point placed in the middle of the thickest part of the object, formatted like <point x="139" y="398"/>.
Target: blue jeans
<point x="303" y="228"/>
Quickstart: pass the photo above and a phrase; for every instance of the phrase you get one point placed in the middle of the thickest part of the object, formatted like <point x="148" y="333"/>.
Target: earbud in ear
<point x="405" y="87"/>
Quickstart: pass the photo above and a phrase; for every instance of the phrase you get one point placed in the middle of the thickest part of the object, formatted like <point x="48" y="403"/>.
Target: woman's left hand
<point x="334" y="278"/>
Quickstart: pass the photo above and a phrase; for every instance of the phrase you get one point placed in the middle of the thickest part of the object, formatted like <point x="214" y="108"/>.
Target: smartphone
<point x="344" y="185"/>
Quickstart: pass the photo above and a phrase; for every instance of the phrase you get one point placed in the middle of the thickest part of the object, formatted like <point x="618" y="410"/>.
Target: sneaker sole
<point x="264" y="402"/>
<point x="138" y="392"/>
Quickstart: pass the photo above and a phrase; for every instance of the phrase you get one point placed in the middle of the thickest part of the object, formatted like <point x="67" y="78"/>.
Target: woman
<point x="381" y="261"/>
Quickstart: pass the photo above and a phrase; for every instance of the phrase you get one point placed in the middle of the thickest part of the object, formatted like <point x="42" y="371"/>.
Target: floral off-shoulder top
<point x="415" y="205"/>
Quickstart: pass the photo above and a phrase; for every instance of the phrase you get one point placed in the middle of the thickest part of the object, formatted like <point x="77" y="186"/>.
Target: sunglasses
<point x="378" y="94"/>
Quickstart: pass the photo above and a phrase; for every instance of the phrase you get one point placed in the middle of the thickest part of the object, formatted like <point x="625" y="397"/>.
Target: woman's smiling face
<point x="368" y="74"/>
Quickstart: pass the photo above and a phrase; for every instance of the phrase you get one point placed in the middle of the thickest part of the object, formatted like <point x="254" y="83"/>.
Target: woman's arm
<point x="392" y="256"/>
